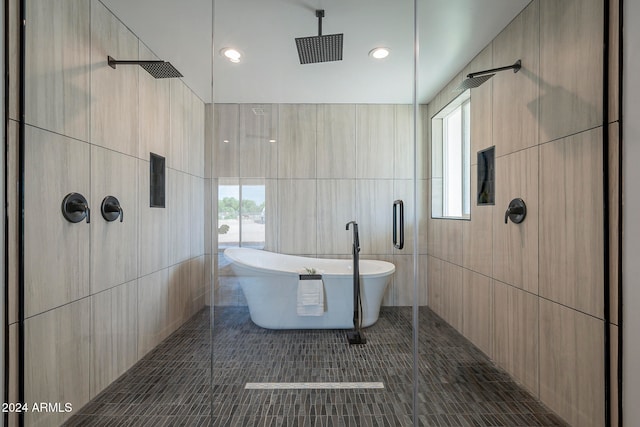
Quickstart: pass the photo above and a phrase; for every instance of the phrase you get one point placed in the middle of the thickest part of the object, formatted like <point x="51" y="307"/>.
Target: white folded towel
<point x="310" y="300"/>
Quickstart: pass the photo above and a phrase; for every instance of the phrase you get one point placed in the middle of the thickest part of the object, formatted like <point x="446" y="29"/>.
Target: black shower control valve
<point x="75" y="208"/>
<point x="111" y="209"/>
<point x="516" y="211"/>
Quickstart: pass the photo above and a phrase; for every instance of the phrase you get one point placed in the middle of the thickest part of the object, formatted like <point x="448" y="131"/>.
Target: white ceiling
<point x="451" y="33"/>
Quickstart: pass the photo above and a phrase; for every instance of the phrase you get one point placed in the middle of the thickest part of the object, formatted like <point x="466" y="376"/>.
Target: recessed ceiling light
<point x="379" y="52"/>
<point x="231" y="54"/>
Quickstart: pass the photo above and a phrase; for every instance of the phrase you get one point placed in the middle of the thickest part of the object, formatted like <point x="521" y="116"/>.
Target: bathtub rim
<point x="389" y="271"/>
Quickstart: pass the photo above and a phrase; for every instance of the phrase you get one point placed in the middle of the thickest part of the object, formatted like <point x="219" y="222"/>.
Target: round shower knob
<point x="111" y="209"/>
<point x="75" y="208"/>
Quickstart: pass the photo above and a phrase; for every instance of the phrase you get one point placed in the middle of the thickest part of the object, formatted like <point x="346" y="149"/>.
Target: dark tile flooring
<point x="458" y="386"/>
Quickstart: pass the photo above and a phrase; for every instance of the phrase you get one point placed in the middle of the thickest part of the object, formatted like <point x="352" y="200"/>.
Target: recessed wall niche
<point x="486" y="173"/>
<point x="156" y="181"/>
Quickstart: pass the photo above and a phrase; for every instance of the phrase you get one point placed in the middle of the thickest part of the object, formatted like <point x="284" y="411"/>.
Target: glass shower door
<point x="333" y="148"/>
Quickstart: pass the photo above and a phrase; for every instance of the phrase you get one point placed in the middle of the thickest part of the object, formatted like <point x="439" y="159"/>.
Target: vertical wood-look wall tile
<point x="196" y="216"/>
<point x="571" y="34"/>
<point x="57" y="80"/>
<point x="154" y="230"/>
<point x="424" y="214"/>
<point x="114" y="93"/>
<point x="114" y="254"/>
<point x="445" y="239"/>
<point x="374" y="200"/>
<point x="57" y="360"/>
<point x="477" y="317"/>
<point x="336" y="207"/>
<point x="297" y="141"/>
<point x="209" y="152"/>
<point x="375" y="141"/>
<point x="272" y="215"/>
<point x="178" y="297"/>
<point x="195" y="113"/>
<point x="196" y="285"/>
<point x="101" y="345"/>
<point x="403" y="142"/>
<point x="154" y="111"/>
<point x="452" y="288"/>
<point x="515" y="246"/>
<point x="516" y="334"/>
<point x="336" y="149"/>
<point x="226" y="140"/>
<point x="114" y="334"/>
<point x="613" y="60"/>
<point x="403" y="280"/>
<point x="481" y="106"/>
<point x="153" y="309"/>
<point x="572" y="364"/>
<point x="13" y="66"/>
<point x="56" y="257"/>
<point x="434" y="284"/>
<point x="516" y="95"/>
<point x="424" y="143"/>
<point x="258" y="147"/>
<point x="477" y="233"/>
<point x="297" y="212"/>
<point x="124" y="312"/>
<point x="571" y="218"/>
<point x="179" y="107"/>
<point x="178" y="199"/>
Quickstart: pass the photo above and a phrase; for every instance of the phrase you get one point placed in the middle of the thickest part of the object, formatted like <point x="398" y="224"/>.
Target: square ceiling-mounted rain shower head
<point x="315" y="49"/>
<point x="158" y="69"/>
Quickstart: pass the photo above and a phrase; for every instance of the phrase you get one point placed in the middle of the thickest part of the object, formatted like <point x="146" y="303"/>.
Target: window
<point x="450" y="165"/>
<point x="241" y="213"/>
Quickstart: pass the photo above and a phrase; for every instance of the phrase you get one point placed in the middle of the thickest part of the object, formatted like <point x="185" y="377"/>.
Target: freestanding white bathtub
<point x="269" y="282"/>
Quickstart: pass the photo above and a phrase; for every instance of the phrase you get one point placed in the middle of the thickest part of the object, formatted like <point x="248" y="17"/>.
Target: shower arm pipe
<point x="113" y="62"/>
<point x="320" y="15"/>
<point x="515" y="67"/>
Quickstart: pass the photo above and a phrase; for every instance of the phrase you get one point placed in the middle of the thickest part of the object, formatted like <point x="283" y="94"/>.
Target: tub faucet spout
<point x="356" y="238"/>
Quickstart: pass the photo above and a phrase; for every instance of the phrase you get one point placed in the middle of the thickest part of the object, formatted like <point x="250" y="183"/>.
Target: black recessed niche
<point x="156" y="181"/>
<point x="486" y="173"/>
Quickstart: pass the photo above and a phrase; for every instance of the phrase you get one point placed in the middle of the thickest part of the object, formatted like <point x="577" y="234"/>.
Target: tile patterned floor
<point x="459" y="386"/>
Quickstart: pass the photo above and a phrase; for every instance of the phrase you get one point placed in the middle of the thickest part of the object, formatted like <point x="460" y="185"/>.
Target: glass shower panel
<point x="304" y="149"/>
<point x="111" y="323"/>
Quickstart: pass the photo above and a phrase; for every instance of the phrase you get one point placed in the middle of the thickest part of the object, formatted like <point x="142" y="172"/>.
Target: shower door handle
<point x="398" y="224"/>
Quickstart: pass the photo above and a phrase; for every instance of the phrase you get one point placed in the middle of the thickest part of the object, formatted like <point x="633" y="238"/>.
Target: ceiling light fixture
<point x="231" y="54"/>
<point x="379" y="52"/>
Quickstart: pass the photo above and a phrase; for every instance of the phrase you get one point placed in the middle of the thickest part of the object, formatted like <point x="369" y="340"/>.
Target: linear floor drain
<point x="313" y="386"/>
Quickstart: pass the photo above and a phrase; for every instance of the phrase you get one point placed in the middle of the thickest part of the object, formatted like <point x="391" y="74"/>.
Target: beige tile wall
<point x="57" y="86"/>
<point x="330" y="164"/>
<point x="100" y="295"/>
<point x="532" y="294"/>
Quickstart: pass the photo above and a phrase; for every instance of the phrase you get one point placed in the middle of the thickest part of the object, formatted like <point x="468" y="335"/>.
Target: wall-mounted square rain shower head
<point x="319" y="48"/>
<point x="158" y="69"/>
<point x="474" y="80"/>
